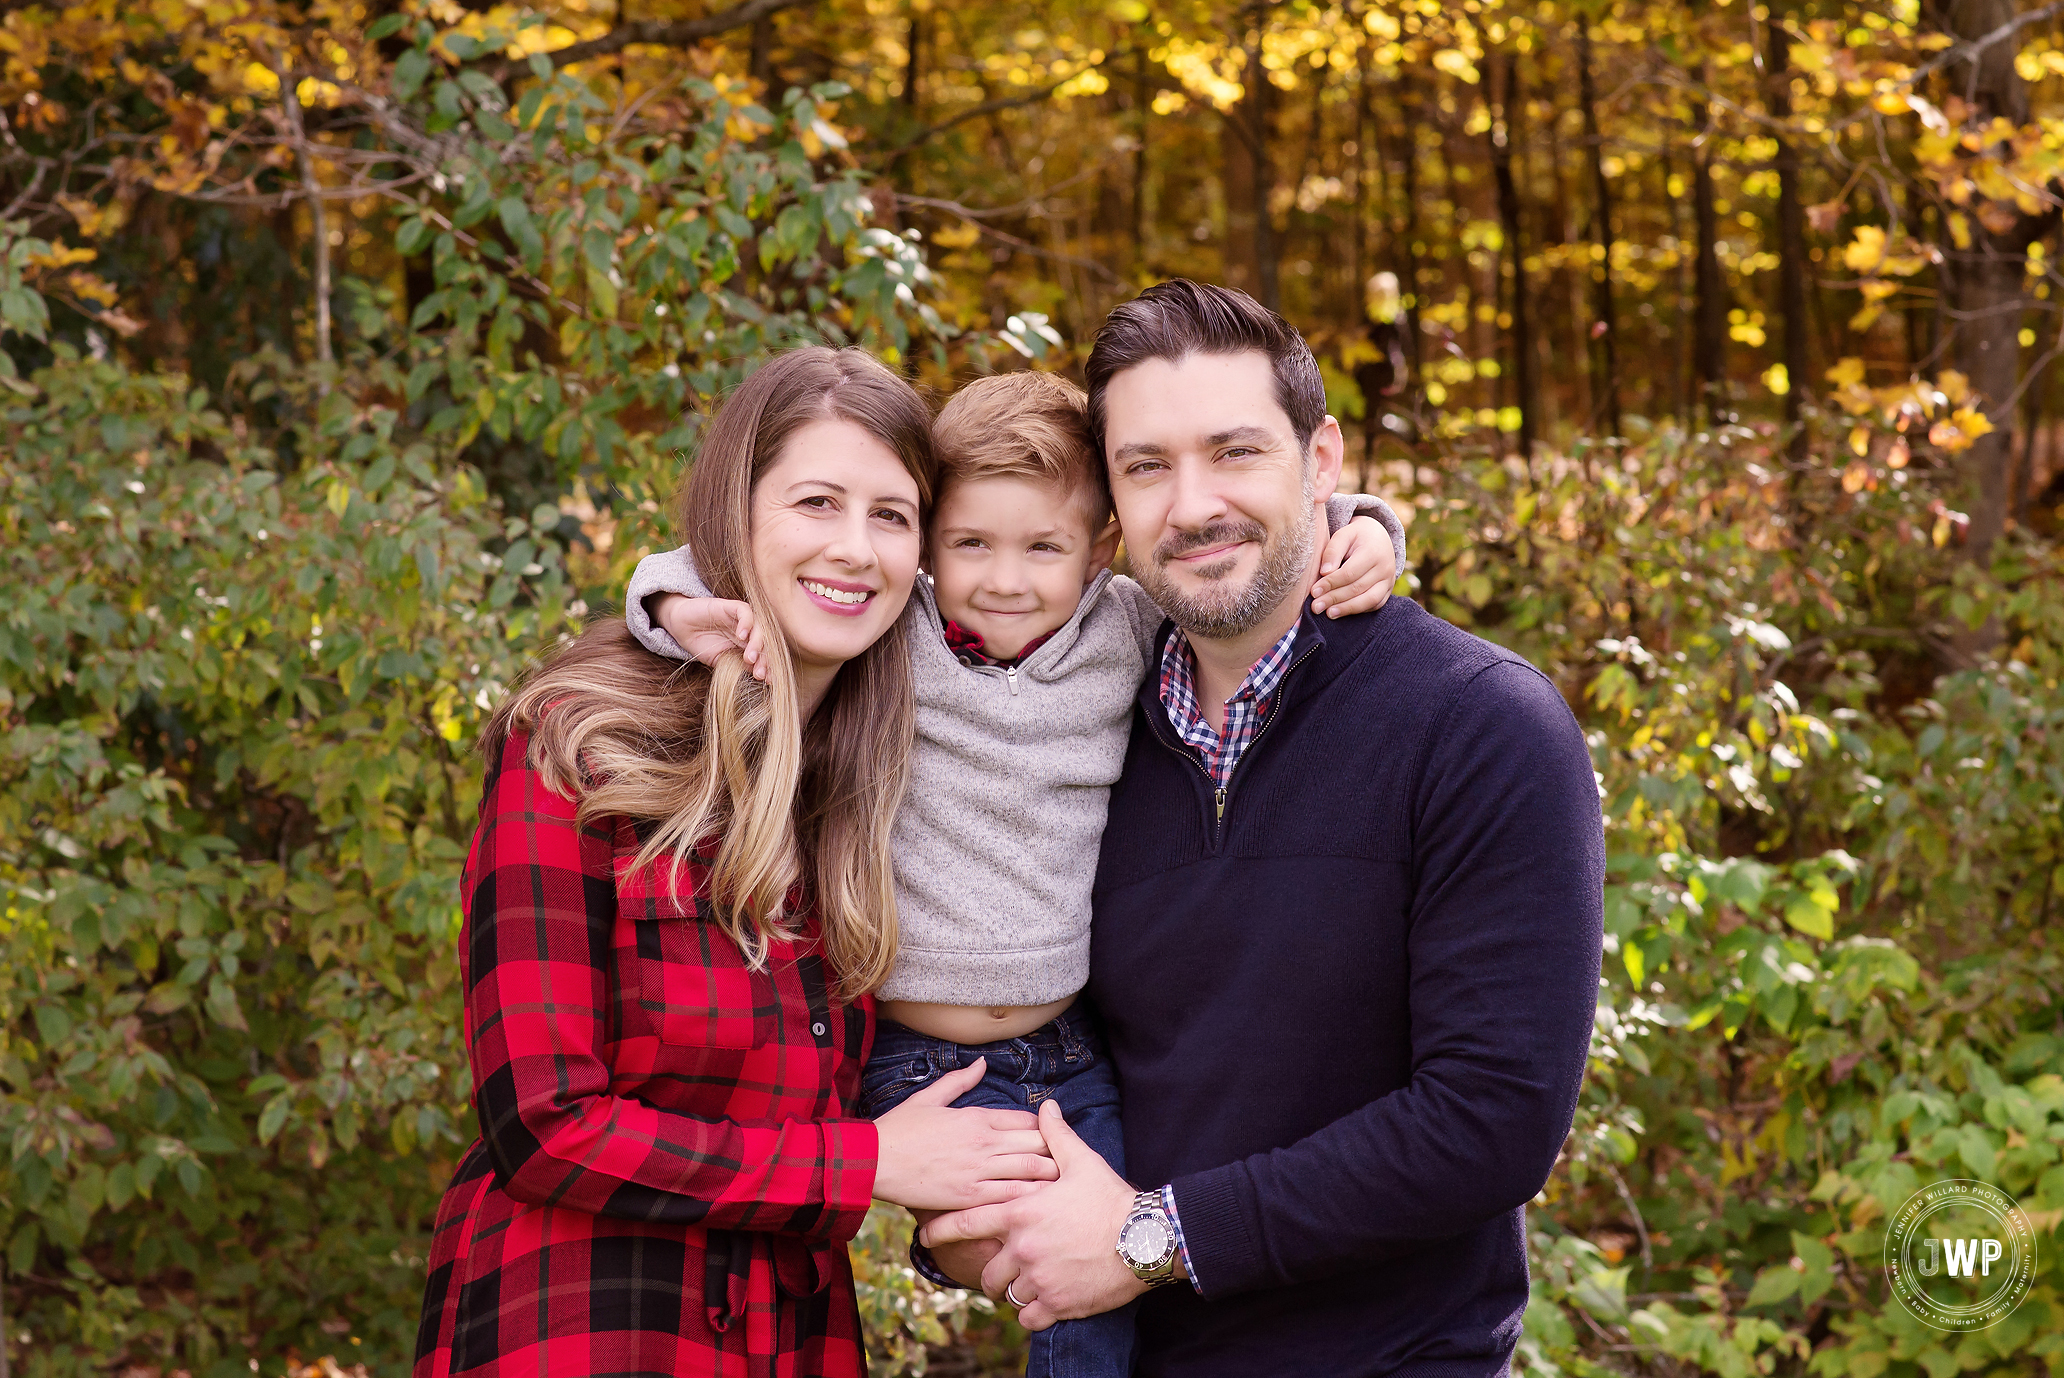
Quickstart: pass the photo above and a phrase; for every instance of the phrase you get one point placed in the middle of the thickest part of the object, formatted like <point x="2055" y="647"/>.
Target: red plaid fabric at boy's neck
<point x="969" y="649"/>
<point x="668" y="1167"/>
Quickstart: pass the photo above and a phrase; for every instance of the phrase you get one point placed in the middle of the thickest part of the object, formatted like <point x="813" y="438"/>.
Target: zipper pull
<point x="1010" y="673"/>
<point x="1220" y="793"/>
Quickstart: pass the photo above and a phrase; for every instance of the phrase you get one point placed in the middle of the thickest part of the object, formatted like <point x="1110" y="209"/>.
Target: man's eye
<point x="1239" y="451"/>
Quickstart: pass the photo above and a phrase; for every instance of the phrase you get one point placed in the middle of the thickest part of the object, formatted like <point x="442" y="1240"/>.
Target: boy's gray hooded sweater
<point x="996" y="842"/>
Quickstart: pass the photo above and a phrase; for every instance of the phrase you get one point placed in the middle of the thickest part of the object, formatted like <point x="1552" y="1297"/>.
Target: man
<point x="1347" y="923"/>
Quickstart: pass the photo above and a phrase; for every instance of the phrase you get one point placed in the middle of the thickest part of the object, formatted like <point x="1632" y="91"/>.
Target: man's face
<point x="1219" y="504"/>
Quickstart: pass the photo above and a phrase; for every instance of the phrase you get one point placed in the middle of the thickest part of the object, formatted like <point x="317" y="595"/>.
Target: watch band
<point x="1161" y="1271"/>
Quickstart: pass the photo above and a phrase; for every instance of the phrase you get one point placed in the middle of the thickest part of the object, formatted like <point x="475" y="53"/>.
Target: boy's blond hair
<point x="1032" y="426"/>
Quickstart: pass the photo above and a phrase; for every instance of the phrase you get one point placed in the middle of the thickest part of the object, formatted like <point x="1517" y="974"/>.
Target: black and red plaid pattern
<point x="667" y="1166"/>
<point x="969" y="649"/>
<point x="1245" y="711"/>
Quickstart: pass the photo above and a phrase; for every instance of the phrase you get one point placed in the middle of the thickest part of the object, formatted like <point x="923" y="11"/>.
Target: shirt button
<point x="818" y="1028"/>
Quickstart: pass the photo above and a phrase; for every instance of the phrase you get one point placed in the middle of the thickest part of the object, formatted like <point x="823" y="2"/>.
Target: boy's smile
<point x="1010" y="558"/>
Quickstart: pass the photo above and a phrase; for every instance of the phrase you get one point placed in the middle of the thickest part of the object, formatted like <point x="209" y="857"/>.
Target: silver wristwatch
<point x="1146" y="1241"/>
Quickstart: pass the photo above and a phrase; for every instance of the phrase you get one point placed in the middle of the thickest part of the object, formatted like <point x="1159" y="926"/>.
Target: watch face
<point x="1145" y="1240"/>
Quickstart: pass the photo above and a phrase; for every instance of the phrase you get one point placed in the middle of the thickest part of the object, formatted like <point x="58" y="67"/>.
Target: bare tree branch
<point x="677" y="33"/>
<point x="987" y="107"/>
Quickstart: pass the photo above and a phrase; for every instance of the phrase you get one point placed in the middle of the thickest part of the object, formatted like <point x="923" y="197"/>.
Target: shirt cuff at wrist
<point x="1182" y="1246"/>
<point x="921" y="1259"/>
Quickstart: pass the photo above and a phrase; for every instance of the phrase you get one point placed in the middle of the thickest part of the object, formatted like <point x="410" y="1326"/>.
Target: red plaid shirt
<point x="668" y="1166"/>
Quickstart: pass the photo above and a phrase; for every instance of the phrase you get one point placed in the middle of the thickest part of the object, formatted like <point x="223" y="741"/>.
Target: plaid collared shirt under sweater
<point x="1245" y="712"/>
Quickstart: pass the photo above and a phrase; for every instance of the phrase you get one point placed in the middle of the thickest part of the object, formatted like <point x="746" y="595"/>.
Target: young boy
<point x="1027" y="655"/>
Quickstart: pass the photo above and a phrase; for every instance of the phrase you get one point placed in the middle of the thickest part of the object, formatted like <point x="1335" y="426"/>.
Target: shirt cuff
<point x="1182" y="1245"/>
<point x="921" y="1260"/>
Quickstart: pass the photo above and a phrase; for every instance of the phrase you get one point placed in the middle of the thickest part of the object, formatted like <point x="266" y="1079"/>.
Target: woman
<point x="676" y="904"/>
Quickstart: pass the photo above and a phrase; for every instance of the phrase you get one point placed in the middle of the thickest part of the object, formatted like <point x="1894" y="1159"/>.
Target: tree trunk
<point x="1709" y="317"/>
<point x="1987" y="299"/>
<point x="1254" y="233"/>
<point x="913" y="45"/>
<point x="1409" y="174"/>
<point x="1605" y="388"/>
<point x="1142" y="106"/>
<point x="1791" y="238"/>
<point x="1504" y="134"/>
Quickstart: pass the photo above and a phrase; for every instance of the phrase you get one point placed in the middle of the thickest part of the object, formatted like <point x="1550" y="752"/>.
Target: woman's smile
<point x="838" y="596"/>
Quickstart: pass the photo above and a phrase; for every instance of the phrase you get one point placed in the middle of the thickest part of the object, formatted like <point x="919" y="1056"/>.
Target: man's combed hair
<point x="1032" y="426"/>
<point x="1174" y="319"/>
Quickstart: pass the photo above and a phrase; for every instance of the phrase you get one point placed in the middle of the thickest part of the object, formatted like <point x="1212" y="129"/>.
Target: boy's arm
<point x="1343" y="508"/>
<point x="669" y="571"/>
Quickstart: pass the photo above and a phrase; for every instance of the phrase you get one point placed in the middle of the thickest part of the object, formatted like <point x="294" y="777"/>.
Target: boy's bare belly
<point x="972" y="1023"/>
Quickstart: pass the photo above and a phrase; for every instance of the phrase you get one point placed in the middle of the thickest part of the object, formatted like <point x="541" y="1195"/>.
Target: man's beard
<point x="1220" y="610"/>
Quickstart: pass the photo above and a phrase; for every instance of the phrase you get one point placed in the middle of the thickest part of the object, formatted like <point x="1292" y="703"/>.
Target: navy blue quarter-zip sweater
<point x="1350" y="1008"/>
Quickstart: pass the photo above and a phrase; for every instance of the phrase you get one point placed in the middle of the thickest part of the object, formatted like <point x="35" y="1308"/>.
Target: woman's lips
<point x="823" y="592"/>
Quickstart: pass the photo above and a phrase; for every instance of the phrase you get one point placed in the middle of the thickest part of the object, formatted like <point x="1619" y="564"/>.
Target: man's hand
<point x="963" y="1262"/>
<point x="708" y="627"/>
<point x="1359" y="566"/>
<point x="1060" y="1242"/>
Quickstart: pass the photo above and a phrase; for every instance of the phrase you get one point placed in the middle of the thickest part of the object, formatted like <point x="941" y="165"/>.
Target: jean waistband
<point x="1074" y="1028"/>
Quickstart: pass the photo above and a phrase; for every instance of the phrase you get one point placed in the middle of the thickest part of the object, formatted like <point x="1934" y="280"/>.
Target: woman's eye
<point x="819" y="503"/>
<point x="890" y="514"/>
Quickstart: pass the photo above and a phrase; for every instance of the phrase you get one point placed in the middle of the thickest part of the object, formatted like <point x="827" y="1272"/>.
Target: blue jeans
<point x="1065" y="1062"/>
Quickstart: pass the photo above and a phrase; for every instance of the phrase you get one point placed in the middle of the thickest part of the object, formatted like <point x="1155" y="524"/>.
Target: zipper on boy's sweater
<point x="1007" y="673"/>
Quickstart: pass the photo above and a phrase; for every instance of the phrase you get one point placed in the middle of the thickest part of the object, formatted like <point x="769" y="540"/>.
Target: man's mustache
<point x="1183" y="542"/>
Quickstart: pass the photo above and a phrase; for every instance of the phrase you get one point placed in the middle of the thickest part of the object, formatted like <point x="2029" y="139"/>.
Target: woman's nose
<point x="852" y="542"/>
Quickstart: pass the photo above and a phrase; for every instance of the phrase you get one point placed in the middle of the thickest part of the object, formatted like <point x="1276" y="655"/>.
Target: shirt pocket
<point x="697" y="989"/>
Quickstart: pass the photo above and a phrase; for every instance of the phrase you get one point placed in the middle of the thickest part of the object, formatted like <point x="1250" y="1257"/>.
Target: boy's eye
<point x="1046" y="545"/>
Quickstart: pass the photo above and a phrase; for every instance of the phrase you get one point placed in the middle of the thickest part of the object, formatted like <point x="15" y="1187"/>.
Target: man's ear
<point x="1102" y="551"/>
<point x="1329" y="449"/>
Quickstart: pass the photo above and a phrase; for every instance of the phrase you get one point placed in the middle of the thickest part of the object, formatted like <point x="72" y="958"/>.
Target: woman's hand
<point x="934" y="1157"/>
<point x="708" y="627"/>
<point x="1359" y="567"/>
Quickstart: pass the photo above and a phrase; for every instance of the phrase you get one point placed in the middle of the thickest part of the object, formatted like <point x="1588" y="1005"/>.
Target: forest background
<point x="353" y="348"/>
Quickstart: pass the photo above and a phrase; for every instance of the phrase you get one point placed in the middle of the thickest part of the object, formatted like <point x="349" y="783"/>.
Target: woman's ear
<point x="1102" y="551"/>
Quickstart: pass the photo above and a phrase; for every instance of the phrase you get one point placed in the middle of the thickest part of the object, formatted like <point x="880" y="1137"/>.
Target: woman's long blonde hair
<point x="710" y="752"/>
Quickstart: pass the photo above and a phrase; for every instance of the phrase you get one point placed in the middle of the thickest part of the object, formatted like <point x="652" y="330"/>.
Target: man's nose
<point x="1196" y="502"/>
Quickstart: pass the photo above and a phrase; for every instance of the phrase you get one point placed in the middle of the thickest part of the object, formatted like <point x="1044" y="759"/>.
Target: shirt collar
<point x="1179" y="664"/>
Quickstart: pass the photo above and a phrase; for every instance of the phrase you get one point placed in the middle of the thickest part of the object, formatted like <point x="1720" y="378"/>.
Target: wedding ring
<point x="1012" y="1297"/>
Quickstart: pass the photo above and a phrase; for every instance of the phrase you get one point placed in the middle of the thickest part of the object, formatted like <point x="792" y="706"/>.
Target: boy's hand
<point x="1357" y="570"/>
<point x="708" y="627"/>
